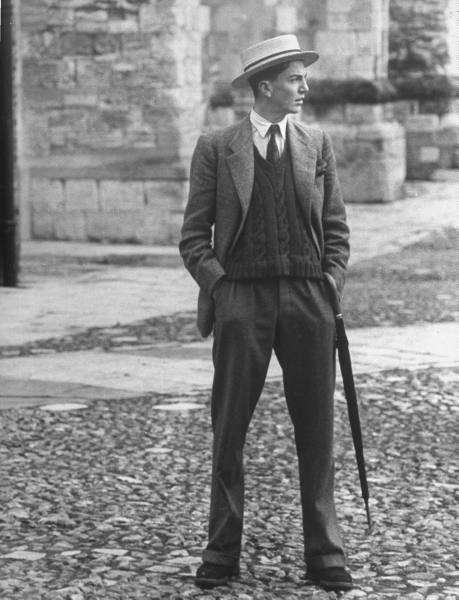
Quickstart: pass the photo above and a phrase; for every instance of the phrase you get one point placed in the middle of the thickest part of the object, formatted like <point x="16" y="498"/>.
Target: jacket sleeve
<point x="336" y="230"/>
<point x="196" y="235"/>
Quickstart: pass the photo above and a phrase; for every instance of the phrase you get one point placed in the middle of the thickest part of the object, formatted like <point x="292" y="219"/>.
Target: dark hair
<point x="267" y="74"/>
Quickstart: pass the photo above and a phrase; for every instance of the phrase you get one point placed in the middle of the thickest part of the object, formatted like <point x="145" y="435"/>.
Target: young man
<point x="268" y="186"/>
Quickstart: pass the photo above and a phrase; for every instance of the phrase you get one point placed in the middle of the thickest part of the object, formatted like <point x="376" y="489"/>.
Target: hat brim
<point x="306" y="57"/>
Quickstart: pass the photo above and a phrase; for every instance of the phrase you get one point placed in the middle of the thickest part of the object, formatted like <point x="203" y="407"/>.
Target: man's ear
<point x="265" y="88"/>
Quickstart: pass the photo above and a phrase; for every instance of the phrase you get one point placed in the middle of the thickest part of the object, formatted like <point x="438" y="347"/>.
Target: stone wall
<point x="112" y="100"/>
<point x="424" y="63"/>
<point x="350" y="36"/>
<point x="115" y="94"/>
<point x="418" y="37"/>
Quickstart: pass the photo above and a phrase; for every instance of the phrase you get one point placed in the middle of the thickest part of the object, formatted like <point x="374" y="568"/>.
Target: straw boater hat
<point x="269" y="53"/>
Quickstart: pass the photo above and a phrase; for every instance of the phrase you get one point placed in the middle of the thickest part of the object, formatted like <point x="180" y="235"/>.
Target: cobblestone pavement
<point x="110" y="500"/>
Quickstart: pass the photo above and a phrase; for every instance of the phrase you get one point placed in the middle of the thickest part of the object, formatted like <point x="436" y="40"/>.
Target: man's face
<point x="289" y="89"/>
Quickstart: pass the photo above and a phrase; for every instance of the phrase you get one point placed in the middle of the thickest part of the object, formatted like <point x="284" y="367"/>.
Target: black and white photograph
<point x="229" y="299"/>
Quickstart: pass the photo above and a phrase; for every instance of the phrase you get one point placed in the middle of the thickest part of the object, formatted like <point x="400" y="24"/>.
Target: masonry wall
<point x="418" y="37"/>
<point x="424" y="61"/>
<point x="350" y="35"/>
<point x="112" y="100"/>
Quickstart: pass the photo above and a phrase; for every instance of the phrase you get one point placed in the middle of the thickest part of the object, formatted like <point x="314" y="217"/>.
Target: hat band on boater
<point x="269" y="53"/>
<point x="270" y="57"/>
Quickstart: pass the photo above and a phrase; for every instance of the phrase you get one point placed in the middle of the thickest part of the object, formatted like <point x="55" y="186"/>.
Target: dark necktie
<point x="272" y="153"/>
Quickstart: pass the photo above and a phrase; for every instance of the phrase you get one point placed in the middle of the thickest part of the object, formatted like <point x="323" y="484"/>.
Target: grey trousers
<point x="294" y="317"/>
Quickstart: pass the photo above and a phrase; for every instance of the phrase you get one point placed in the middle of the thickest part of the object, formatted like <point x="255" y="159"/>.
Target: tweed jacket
<point x="221" y="182"/>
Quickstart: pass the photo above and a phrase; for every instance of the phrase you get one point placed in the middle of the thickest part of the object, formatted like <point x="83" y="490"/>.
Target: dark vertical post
<point x="8" y="247"/>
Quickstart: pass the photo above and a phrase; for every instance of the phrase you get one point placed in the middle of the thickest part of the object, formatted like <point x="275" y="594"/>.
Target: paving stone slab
<point x="186" y="368"/>
<point x="21" y="391"/>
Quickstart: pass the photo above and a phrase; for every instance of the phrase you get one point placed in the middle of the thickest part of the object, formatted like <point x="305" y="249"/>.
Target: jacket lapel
<point x="304" y="158"/>
<point x="241" y="164"/>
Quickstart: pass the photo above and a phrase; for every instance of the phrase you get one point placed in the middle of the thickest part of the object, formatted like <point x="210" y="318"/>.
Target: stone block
<point x="205" y="19"/>
<point x="81" y="194"/>
<point x="362" y="65"/>
<point x="371" y="160"/>
<point x="380" y="132"/>
<point x="424" y="122"/>
<point x="334" y="6"/>
<point x="336" y="43"/>
<point x="132" y="42"/>
<point x="362" y="17"/>
<point x="60" y="17"/>
<point x="429" y="154"/>
<point x="105" y="43"/>
<point x="47" y="195"/>
<point x="363" y="113"/>
<point x="448" y="141"/>
<point x="338" y="21"/>
<point x="112" y="227"/>
<point x="150" y="20"/>
<point x="98" y="141"/>
<point x="159" y="227"/>
<point x="450" y="120"/>
<point x="448" y="136"/>
<point x="333" y="67"/>
<point x="40" y="73"/>
<point x="372" y="181"/>
<point x="69" y="119"/>
<point x="76" y="3"/>
<point x="286" y="18"/>
<point x="91" y="21"/>
<point x="66" y="74"/>
<point x="366" y="42"/>
<point x="400" y="110"/>
<point x="124" y="66"/>
<point x="90" y="74"/>
<point x="121" y="196"/>
<point x="70" y="226"/>
<point x="42" y="225"/>
<point x="80" y="99"/>
<point x="34" y="18"/>
<point x="47" y="47"/>
<point x="423" y="153"/>
<point x="124" y="26"/>
<point x="57" y="140"/>
<point x="170" y="195"/>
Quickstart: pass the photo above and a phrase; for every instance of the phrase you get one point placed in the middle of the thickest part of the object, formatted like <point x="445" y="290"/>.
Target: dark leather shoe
<point x="210" y="575"/>
<point x="330" y="578"/>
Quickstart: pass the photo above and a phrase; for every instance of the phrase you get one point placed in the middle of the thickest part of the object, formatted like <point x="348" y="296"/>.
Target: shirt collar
<point x="262" y="125"/>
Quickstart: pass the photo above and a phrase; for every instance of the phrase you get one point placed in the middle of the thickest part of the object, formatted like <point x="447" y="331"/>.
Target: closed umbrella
<point x="349" y="391"/>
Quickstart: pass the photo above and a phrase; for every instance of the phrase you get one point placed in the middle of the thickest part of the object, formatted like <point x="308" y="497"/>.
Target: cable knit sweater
<point x="275" y="241"/>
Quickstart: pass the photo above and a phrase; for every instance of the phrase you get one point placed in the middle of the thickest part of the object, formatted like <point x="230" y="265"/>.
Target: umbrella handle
<point x="334" y="296"/>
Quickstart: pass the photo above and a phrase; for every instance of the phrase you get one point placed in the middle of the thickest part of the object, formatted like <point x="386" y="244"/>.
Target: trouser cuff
<point x="217" y="558"/>
<point x="326" y="560"/>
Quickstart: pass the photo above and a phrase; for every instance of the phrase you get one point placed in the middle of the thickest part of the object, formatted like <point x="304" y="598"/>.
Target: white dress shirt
<point x="260" y="127"/>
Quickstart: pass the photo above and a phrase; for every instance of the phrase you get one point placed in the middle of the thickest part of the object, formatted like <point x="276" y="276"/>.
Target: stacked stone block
<point x="419" y="37"/>
<point x="351" y="39"/>
<point x="112" y="104"/>
<point x="424" y="43"/>
<point x="350" y="36"/>
<point x="107" y="210"/>
<point x="432" y="143"/>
